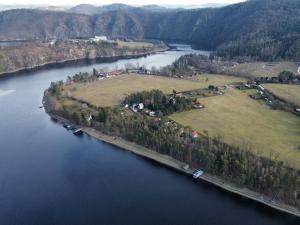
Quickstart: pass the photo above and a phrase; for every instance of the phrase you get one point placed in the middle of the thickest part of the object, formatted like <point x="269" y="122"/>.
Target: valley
<point x="207" y="99"/>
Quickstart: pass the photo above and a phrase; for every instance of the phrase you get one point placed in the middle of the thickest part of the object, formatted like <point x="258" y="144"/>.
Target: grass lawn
<point x="239" y="120"/>
<point x="111" y="91"/>
<point x="289" y="93"/>
<point x="262" y="69"/>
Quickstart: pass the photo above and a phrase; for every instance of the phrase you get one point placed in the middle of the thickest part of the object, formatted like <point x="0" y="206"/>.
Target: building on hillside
<point x="260" y="87"/>
<point x="141" y="106"/>
<point x="102" y="74"/>
<point x="197" y="105"/>
<point x="172" y="101"/>
<point x="99" y="38"/>
<point x="88" y="118"/>
<point x="195" y="134"/>
<point x="52" y="42"/>
<point x="151" y="113"/>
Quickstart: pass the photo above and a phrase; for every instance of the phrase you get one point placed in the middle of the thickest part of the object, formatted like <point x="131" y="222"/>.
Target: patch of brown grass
<point x="242" y="121"/>
<point x="111" y="91"/>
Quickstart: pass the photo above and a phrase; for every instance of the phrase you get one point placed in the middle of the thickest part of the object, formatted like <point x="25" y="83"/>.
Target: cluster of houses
<point x="243" y="86"/>
<point x="260" y="90"/>
<point x="173" y="125"/>
<point x="100" y="74"/>
<point x="267" y="79"/>
<point x="139" y="107"/>
<point x="99" y="38"/>
<point x="52" y="42"/>
<point x="140" y="70"/>
<point x="197" y="105"/>
<point x="261" y="93"/>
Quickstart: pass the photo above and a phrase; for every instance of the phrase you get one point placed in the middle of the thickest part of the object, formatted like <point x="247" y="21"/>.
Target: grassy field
<point x="289" y="93"/>
<point x="262" y="69"/>
<point x="239" y="120"/>
<point x="134" y="44"/>
<point x="111" y="91"/>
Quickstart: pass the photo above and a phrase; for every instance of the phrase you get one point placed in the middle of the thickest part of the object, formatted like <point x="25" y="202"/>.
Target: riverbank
<point x="76" y="61"/>
<point x="175" y="164"/>
<point x="45" y="56"/>
<point x="179" y="166"/>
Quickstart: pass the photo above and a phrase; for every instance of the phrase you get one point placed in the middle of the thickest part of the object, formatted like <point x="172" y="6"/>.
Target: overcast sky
<point x="103" y="2"/>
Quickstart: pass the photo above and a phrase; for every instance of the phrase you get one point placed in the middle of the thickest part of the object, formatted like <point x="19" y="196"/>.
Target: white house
<point x="52" y="42"/>
<point x="88" y="118"/>
<point x="141" y="106"/>
<point x="261" y="87"/>
<point x="99" y="38"/>
<point x="134" y="108"/>
<point x="151" y="113"/>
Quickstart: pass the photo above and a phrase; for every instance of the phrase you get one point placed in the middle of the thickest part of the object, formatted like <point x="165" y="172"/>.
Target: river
<point x="48" y="176"/>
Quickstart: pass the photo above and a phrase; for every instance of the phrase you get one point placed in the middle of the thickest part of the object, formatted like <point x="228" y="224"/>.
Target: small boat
<point x="197" y="174"/>
<point x="67" y="126"/>
<point x="78" y="131"/>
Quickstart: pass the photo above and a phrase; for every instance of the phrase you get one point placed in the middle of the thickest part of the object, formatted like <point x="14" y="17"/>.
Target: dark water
<point x="48" y="176"/>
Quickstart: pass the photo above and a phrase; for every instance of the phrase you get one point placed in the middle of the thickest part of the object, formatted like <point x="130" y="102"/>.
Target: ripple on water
<point x="6" y="92"/>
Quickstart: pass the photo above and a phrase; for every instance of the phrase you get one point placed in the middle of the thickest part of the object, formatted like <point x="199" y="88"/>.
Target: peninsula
<point x="159" y="118"/>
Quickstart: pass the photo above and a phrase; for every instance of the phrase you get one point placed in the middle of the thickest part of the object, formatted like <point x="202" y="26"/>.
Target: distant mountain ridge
<point x="255" y="21"/>
<point x="92" y="10"/>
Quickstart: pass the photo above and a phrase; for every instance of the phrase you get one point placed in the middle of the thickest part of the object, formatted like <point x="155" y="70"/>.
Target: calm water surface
<point x="48" y="176"/>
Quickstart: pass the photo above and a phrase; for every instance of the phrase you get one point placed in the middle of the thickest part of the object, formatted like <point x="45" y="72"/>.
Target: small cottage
<point x="195" y="134"/>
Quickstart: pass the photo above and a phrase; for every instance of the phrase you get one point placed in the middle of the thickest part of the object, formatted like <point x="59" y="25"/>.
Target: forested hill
<point x="234" y="30"/>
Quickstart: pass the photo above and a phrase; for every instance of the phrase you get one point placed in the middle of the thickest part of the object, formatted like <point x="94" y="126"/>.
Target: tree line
<point x="285" y="48"/>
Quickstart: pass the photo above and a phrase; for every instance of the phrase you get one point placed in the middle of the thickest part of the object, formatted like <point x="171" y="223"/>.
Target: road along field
<point x="240" y="120"/>
<point x="111" y="91"/>
<point x="289" y="93"/>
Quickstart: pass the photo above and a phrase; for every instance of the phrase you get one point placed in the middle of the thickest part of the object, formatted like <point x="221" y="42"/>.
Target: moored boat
<point x="197" y="174"/>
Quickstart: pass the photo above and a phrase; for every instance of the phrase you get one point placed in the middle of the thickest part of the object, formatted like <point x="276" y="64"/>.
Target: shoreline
<point x="73" y="61"/>
<point x="178" y="165"/>
<point x="172" y="163"/>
